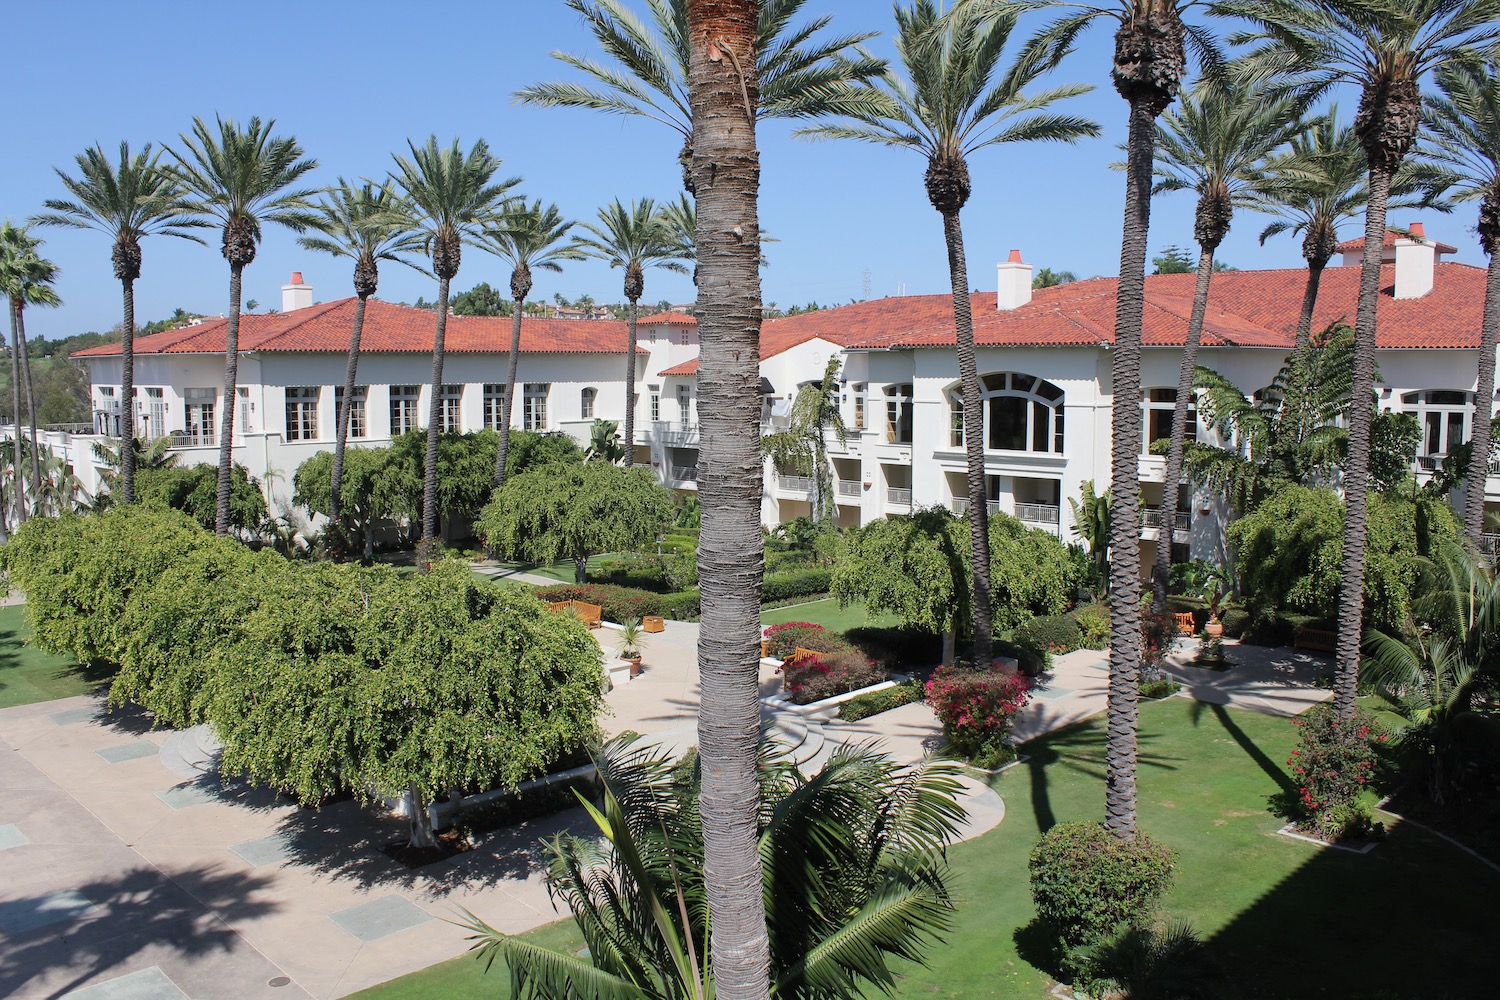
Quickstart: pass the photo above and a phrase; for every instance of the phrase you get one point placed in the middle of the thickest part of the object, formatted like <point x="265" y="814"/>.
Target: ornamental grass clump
<point x="977" y="708"/>
<point x="1333" y="765"/>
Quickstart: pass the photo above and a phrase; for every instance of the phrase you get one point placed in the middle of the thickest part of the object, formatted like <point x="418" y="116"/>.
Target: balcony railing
<point x="1151" y="518"/>
<point x="898" y="496"/>
<point x="684" y="473"/>
<point x="1038" y="513"/>
<point x="182" y="439"/>
<point x="675" y="434"/>
<point x="848" y="488"/>
<point x="1431" y="463"/>
<point x="1489" y="544"/>
<point x="961" y="506"/>
<point x="797" y="484"/>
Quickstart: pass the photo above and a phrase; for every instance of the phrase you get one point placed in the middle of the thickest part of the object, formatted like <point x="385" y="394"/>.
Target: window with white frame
<point x="450" y="406"/>
<point x="1159" y="409"/>
<point x="1022" y="413"/>
<point x="302" y="412"/>
<point x="898" y="413"/>
<point x="861" y="402"/>
<point x="199" y="406"/>
<point x="494" y="405"/>
<point x="1445" y="416"/>
<point x="107" y="412"/>
<point x="404" y="412"/>
<point x="534" y="406"/>
<point x="246" y="407"/>
<point x="685" y="404"/>
<point x="955" y="419"/>
<point x="357" y="424"/>
<point x="655" y="402"/>
<point x="154" y="415"/>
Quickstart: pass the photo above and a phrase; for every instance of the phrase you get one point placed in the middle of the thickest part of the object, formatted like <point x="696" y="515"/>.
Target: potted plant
<point x="1215" y="584"/>
<point x="629" y="645"/>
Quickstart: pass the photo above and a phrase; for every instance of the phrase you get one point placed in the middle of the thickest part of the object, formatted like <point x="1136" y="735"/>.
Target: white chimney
<point x="296" y="294"/>
<point x="1013" y="289"/>
<point x="1415" y="258"/>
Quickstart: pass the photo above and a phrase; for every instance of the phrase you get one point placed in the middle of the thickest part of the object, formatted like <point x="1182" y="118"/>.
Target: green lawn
<point x="27" y="674"/>
<point x="828" y="614"/>
<point x="1280" y="918"/>
<point x="562" y="572"/>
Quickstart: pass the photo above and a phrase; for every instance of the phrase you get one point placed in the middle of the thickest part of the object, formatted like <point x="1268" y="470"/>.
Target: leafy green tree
<point x="804" y="444"/>
<point x="452" y="196"/>
<point x="140" y="197"/>
<point x="633" y="238"/>
<point x="378" y="484"/>
<point x="949" y="106"/>
<point x="1031" y="572"/>
<point x="26" y="279"/>
<point x="243" y="179"/>
<point x="853" y="877"/>
<point x="528" y="237"/>
<point x="1091" y="523"/>
<point x="481" y="300"/>
<point x="1173" y="260"/>
<point x="1047" y="278"/>
<point x="367" y="225"/>
<point x="573" y="511"/>
<point x="194" y="491"/>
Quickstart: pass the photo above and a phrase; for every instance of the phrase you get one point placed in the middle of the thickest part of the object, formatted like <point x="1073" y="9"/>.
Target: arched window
<point x="1445" y="417"/>
<point x="1160" y="406"/>
<point x="586" y="398"/>
<point x="1021" y="412"/>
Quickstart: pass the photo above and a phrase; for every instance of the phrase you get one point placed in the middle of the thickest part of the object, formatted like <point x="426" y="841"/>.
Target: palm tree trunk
<point x="15" y="402"/>
<point x="1357" y="470"/>
<point x="127" y="394"/>
<point x="434" y="421"/>
<point x="1125" y="488"/>
<point x="725" y="169"/>
<point x="1309" y="302"/>
<point x="231" y="390"/>
<point x="1172" y="486"/>
<point x="36" y="454"/>
<point x="630" y="388"/>
<point x="510" y="393"/>
<point x="1484" y="404"/>
<point x="968" y="374"/>
<point x="341" y="433"/>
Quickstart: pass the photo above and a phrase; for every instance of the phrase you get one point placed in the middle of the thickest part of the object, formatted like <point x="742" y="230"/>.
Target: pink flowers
<point x="976" y="707"/>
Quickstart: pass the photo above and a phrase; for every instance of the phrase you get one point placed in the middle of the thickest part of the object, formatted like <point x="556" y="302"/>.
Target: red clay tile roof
<point x="842" y="326"/>
<point x="1358" y="243"/>
<point x="674" y="318"/>
<point x="686" y="368"/>
<point x="389" y="328"/>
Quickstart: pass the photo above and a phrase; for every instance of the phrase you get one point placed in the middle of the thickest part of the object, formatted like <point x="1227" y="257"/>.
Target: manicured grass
<point x="29" y="675"/>
<point x="464" y="977"/>
<point x="828" y="614"/>
<point x="562" y="572"/>
<point x="1279" y="918"/>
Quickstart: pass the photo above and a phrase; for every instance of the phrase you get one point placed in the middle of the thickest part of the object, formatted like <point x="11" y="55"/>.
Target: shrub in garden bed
<point x="1333" y="766"/>
<point x="619" y="603"/>
<point x="683" y="606"/>
<point x="815" y="676"/>
<point x="1093" y="625"/>
<point x="795" y="583"/>
<point x="876" y="702"/>
<point x="976" y="708"/>
<point x="1049" y="634"/>
<point x="784" y="639"/>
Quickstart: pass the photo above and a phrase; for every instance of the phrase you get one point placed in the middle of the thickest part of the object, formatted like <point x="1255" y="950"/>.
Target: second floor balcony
<point x="1151" y="517"/>
<point x="684" y="473"/>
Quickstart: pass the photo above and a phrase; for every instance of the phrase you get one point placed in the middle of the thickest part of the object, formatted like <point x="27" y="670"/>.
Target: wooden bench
<point x="1185" y="624"/>
<point x="1318" y="639"/>
<point x="590" y="614"/>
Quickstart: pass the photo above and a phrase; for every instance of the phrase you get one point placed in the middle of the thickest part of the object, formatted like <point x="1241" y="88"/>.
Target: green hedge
<point x="1049" y="634"/>
<point x="876" y="702"/>
<point x="620" y="604"/>
<point x="1088" y="884"/>
<point x="795" y="583"/>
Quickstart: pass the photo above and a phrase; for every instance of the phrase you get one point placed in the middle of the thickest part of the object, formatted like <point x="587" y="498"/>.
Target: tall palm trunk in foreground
<point x="18" y="480"/>
<point x="723" y="90"/>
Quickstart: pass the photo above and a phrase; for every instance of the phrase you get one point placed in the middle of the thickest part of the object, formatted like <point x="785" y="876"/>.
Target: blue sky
<point x="352" y="81"/>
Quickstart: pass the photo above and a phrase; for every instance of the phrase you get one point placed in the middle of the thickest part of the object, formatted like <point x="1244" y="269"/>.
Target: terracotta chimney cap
<point x="1015" y="256"/>
<point x="1419" y="230"/>
<point x="297" y="275"/>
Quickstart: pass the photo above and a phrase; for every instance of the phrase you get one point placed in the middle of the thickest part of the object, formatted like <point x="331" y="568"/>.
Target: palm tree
<point x="110" y="461"/>
<point x="367" y="225"/>
<point x="453" y="197"/>
<point x="528" y="237"/>
<point x="725" y="172"/>
<point x="853" y="872"/>
<point x="1384" y="49"/>
<point x="1464" y="125"/>
<point x="800" y="76"/>
<point x="949" y="107"/>
<point x="1215" y="145"/>
<point x="139" y="197"/>
<point x="243" y="178"/>
<point x="635" y="238"/>
<point x="26" y="279"/>
<point x="815" y="412"/>
<point x="1047" y="278"/>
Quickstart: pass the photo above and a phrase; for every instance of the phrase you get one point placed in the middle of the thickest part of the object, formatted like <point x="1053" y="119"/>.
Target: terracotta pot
<point x="1214" y="628"/>
<point x="635" y="665"/>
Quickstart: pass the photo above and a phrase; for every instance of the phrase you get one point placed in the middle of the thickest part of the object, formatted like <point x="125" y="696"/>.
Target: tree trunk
<point x="1172" y="486"/>
<point x="127" y="395"/>
<point x="1309" y="301"/>
<point x="434" y="421"/>
<point x="580" y="569"/>
<point x="510" y="394"/>
<point x="630" y="387"/>
<point x="968" y="373"/>
<point x="723" y="92"/>
<point x="1357" y="469"/>
<point x="231" y="396"/>
<point x="1484" y="404"/>
<point x="18" y="476"/>
<point x="421" y="823"/>
<point x="950" y="644"/>
<point x="341" y="433"/>
<point x="36" y="454"/>
<point x="1125" y="487"/>
<point x="369" y="539"/>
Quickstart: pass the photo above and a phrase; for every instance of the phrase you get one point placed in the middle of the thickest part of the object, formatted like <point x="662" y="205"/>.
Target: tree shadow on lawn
<point x="13" y="662"/>
<point x="135" y="911"/>
<point x="1080" y="748"/>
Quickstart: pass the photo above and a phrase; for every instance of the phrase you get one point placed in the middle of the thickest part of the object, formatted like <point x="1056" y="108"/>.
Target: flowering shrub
<point x="813" y="677"/>
<point x="786" y="637"/>
<point x="1333" y="763"/>
<point x="976" y="708"/>
<point x="1158" y="636"/>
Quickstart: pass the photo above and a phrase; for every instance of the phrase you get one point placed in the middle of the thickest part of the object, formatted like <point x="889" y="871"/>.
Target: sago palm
<point x="26" y="279"/>
<point x="1384" y="49"/>
<point x="632" y="237"/>
<point x="365" y="224"/>
<point x="139" y="197"/>
<point x="1215" y="144"/>
<point x="852" y="873"/>
<point x="957" y="98"/>
<point x="528" y="237"/>
<point x="799" y="71"/>
<point x="452" y="197"/>
<point x="1464" y="132"/>
<point x="243" y="178"/>
<point x="804" y="444"/>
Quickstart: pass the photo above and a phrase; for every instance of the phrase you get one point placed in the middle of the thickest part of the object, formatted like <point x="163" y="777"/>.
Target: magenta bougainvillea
<point x="976" y="708"/>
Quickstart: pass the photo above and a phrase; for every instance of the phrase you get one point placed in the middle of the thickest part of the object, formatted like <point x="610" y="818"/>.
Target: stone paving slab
<point x="128" y="751"/>
<point x="380" y="918"/>
<point x="264" y="850"/>
<point x="73" y="716"/>
<point x="186" y="796"/>
<point x="147" y="984"/>
<point x="24" y="915"/>
<point x="11" y="836"/>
